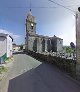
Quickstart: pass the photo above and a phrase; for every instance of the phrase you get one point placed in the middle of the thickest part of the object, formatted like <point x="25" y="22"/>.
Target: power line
<point x="70" y="5"/>
<point x="28" y="7"/>
<point x="36" y="7"/>
<point x="31" y="7"/>
<point x="61" y="5"/>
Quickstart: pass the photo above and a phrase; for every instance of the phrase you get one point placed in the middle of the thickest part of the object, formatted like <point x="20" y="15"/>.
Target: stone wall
<point x="59" y="45"/>
<point x="66" y="65"/>
<point x="54" y="45"/>
<point x="30" y="42"/>
<point x="43" y="44"/>
<point x="39" y="45"/>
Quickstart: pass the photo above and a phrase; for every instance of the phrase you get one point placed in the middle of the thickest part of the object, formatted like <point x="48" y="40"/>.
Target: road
<point x="30" y="75"/>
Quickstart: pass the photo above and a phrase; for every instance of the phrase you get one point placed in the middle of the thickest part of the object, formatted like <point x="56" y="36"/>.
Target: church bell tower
<point x="30" y="24"/>
<point x="30" y="30"/>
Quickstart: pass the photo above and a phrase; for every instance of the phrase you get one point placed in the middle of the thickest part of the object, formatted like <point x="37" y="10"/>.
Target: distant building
<point x="5" y="46"/>
<point x="40" y="43"/>
<point x="16" y="47"/>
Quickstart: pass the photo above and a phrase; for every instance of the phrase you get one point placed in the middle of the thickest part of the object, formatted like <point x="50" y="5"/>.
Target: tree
<point x="21" y="47"/>
<point x="72" y="45"/>
<point x="68" y="49"/>
<point x="73" y="48"/>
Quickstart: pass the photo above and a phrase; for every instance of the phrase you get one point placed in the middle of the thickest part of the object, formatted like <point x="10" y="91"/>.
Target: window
<point x="60" y="42"/>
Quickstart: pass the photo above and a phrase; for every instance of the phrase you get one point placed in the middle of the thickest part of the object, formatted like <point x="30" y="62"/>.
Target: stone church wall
<point x="30" y="43"/>
<point x="39" y="45"/>
<point x="59" y="45"/>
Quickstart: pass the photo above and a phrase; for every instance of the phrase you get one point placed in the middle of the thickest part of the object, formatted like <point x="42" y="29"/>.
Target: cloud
<point x="15" y="36"/>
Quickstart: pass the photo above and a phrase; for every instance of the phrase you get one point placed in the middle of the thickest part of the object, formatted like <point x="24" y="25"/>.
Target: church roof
<point x="47" y="37"/>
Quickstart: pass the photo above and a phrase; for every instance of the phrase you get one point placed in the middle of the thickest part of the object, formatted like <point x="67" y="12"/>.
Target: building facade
<point x="40" y="43"/>
<point x="5" y="46"/>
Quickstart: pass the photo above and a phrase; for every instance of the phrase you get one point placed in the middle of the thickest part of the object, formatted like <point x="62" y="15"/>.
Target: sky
<point x="51" y="19"/>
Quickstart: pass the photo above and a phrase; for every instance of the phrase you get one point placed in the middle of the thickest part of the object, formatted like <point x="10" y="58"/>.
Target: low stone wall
<point x="66" y="65"/>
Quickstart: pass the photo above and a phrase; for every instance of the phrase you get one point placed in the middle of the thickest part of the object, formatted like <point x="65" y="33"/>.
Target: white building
<point x="5" y="47"/>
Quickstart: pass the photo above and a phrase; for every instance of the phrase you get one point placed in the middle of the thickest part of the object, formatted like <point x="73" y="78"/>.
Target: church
<point x="39" y="43"/>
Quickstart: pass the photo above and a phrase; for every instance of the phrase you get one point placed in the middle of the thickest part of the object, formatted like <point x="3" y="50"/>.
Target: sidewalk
<point x="6" y="67"/>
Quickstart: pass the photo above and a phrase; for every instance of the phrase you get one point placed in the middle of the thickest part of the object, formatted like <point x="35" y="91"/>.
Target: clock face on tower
<point x="32" y="25"/>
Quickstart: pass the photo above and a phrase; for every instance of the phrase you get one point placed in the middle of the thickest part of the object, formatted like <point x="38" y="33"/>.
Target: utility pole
<point x="78" y="44"/>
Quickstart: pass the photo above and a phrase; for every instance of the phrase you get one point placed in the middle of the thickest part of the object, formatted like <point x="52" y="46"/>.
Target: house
<point x="16" y="47"/>
<point x="40" y="43"/>
<point x="5" y="47"/>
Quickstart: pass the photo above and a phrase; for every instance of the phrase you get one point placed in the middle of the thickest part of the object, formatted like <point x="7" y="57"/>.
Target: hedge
<point x="67" y="65"/>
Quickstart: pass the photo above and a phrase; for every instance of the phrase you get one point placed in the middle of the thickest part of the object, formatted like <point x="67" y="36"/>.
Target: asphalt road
<point x="30" y="75"/>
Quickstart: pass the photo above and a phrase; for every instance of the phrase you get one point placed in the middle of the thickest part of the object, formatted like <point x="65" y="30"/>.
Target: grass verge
<point x="3" y="69"/>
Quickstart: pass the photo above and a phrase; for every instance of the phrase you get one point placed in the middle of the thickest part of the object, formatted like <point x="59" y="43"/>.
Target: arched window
<point x="48" y="45"/>
<point x="35" y="45"/>
<point x="43" y="45"/>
